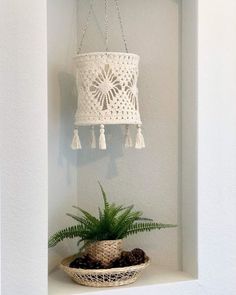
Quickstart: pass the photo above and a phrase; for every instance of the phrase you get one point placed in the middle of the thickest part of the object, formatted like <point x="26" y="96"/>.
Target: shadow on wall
<point x="114" y="134"/>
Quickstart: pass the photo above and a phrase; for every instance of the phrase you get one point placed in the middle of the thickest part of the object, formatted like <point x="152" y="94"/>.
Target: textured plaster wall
<point x="147" y="178"/>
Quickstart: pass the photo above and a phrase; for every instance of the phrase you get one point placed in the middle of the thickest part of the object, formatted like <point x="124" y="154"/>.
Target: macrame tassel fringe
<point x="102" y="138"/>
<point x="128" y="138"/>
<point x="140" y="144"/>
<point x="93" y="138"/>
<point x="76" y="145"/>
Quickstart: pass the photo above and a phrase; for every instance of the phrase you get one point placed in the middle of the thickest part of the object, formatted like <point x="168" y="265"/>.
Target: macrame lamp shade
<point x="107" y="94"/>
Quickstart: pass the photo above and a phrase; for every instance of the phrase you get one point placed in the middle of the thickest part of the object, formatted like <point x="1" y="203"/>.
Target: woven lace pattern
<point x="107" y="88"/>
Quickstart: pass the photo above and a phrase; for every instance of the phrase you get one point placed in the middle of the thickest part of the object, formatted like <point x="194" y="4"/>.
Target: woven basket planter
<point x="105" y="251"/>
<point x="112" y="277"/>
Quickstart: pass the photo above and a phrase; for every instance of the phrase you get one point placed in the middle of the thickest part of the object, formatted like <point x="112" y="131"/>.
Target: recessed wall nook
<point x="160" y="179"/>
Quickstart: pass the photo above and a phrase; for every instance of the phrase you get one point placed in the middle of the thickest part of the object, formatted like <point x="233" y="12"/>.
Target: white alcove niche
<point x="161" y="179"/>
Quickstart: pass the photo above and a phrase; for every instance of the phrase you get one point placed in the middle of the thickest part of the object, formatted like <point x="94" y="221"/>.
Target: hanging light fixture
<point x="107" y="89"/>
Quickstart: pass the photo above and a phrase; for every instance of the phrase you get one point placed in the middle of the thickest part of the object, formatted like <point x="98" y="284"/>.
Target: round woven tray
<point x="111" y="277"/>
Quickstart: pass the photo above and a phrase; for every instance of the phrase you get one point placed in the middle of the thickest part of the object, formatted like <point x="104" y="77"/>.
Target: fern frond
<point x="67" y="233"/>
<point x="106" y="203"/>
<point x="114" y="211"/>
<point x="89" y="216"/>
<point x="113" y="222"/>
<point x="124" y="215"/>
<point x="100" y="213"/>
<point x="81" y="220"/>
<point x="144" y="219"/>
<point x="143" y="227"/>
<point x="126" y="223"/>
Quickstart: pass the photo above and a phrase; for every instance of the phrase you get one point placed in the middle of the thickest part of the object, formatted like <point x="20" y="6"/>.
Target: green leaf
<point x="79" y="219"/>
<point x="143" y="227"/>
<point x="144" y="219"/>
<point x="113" y="222"/>
<point x="89" y="216"/>
<point x="106" y="204"/>
<point x="67" y="233"/>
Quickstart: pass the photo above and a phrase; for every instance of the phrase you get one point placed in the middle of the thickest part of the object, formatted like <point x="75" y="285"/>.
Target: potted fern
<point x="101" y="236"/>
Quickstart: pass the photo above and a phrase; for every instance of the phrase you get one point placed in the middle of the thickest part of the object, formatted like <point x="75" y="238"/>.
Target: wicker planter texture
<point x="105" y="251"/>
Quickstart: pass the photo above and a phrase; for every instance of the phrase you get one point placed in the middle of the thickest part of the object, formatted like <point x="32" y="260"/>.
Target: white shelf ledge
<point x="60" y="284"/>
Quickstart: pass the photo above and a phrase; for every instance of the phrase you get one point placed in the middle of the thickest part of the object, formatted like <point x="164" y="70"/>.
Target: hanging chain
<point x="85" y="26"/>
<point x="121" y="25"/>
<point x="106" y="25"/>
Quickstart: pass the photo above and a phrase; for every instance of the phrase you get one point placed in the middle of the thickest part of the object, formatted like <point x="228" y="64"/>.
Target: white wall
<point x="188" y="130"/>
<point x="147" y="178"/>
<point x="217" y="146"/>
<point x="61" y="105"/>
<point x="23" y="179"/>
<point x="23" y="147"/>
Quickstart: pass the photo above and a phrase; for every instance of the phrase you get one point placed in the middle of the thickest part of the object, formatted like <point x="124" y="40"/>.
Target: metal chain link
<point x="80" y="45"/>
<point x="121" y="25"/>
<point x="85" y="26"/>
<point x="106" y="25"/>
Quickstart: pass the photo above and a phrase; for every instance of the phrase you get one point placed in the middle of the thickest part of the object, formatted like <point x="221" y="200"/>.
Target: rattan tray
<point x="111" y="277"/>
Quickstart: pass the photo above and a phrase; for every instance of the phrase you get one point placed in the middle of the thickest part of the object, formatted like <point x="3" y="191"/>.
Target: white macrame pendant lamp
<point x="107" y="91"/>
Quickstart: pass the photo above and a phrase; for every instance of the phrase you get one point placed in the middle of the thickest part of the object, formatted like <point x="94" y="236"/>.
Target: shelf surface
<point x="60" y="284"/>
